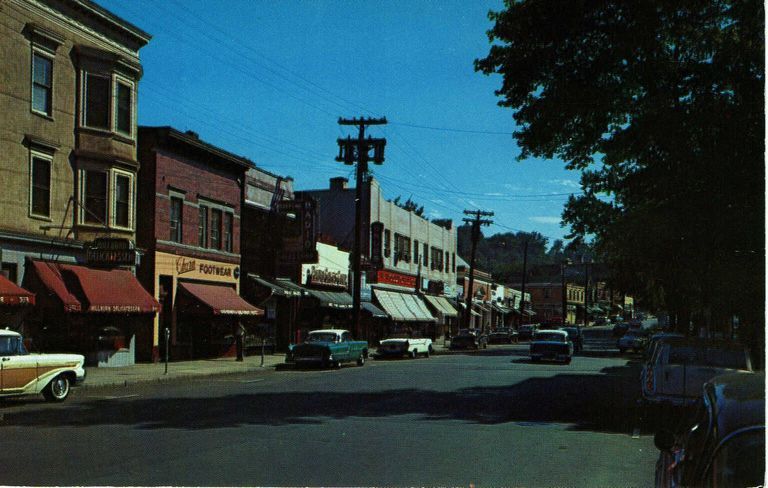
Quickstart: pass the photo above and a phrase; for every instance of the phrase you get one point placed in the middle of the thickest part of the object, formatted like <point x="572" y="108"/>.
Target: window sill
<point x="42" y="115"/>
<point x="108" y="133"/>
<point x="41" y="218"/>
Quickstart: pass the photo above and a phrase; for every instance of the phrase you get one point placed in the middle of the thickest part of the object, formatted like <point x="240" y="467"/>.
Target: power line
<point x="449" y="129"/>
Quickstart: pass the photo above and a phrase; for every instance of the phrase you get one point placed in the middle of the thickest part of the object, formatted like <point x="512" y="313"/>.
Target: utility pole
<point x="586" y="293"/>
<point x="522" y="288"/>
<point x="564" y="291"/>
<point x="353" y="151"/>
<point x="476" y="223"/>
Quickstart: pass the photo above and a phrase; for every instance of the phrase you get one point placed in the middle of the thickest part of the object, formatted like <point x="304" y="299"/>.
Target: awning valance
<point x="12" y="294"/>
<point x="442" y="305"/>
<point x="500" y="308"/>
<point x="375" y="311"/>
<point x="81" y="288"/>
<point x="403" y="307"/>
<point x="481" y="307"/>
<point x="221" y="299"/>
<point x="280" y="287"/>
<point x="332" y="299"/>
<point x="464" y="306"/>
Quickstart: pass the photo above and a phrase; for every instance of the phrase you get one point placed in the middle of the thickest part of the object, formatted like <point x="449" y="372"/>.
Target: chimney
<point x="339" y="183"/>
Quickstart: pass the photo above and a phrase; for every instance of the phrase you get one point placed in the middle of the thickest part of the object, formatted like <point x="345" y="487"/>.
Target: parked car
<point x="656" y="339"/>
<point x="469" y="339"/>
<point x="725" y="444"/>
<point x="502" y="335"/>
<point x="576" y="337"/>
<point x="551" y="344"/>
<point x="620" y="329"/>
<point x="328" y="347"/>
<point x="23" y="373"/>
<point x="634" y="339"/>
<point x="525" y="332"/>
<point x="679" y="368"/>
<point x="405" y="346"/>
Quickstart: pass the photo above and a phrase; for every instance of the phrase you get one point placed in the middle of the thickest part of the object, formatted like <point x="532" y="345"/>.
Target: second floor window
<point x="425" y="254"/>
<point x="42" y="84"/>
<point x="177" y="206"/>
<point x="95" y="192"/>
<point x="386" y="243"/>
<point x="228" y="232"/>
<point x="202" y="227"/>
<point x="41" y="187"/>
<point x="416" y="252"/>
<point x="97" y="98"/>
<point x="216" y="228"/>
<point x="122" y="201"/>
<point x="124" y="108"/>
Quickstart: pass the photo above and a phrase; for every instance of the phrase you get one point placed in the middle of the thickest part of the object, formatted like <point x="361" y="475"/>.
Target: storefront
<point x="201" y="307"/>
<point x="15" y="303"/>
<point x="328" y="305"/>
<point x="447" y="316"/>
<point x="104" y="314"/>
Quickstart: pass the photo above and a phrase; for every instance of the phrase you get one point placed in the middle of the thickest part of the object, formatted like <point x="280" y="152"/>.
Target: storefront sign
<point x="299" y="247"/>
<point x="109" y="251"/>
<point x="205" y="269"/>
<point x="391" y="278"/>
<point x="326" y="277"/>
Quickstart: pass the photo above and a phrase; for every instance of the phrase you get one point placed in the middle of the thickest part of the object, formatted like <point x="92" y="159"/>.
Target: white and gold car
<point x="22" y="373"/>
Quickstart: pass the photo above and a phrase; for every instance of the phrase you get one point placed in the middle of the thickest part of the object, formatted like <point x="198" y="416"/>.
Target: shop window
<point x="202" y="226"/>
<point x="42" y="84"/>
<point x="95" y="197"/>
<point x="124" y="108"/>
<point x="228" y="231"/>
<point x="123" y="200"/>
<point x="40" y="191"/>
<point x="216" y="228"/>
<point x="176" y="220"/>
<point x="97" y="97"/>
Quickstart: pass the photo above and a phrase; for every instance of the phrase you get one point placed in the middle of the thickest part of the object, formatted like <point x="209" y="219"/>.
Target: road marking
<point x="120" y="397"/>
<point x="636" y="433"/>
<point x="252" y="381"/>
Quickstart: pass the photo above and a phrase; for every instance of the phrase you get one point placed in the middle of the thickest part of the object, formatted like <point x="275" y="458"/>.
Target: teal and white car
<point x="326" y="348"/>
<point x="22" y="373"/>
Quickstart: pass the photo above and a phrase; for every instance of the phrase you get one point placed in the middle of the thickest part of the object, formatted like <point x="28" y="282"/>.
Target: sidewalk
<point x="148" y="372"/>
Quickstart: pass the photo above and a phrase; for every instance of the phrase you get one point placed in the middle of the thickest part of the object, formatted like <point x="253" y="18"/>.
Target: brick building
<point x="190" y="195"/>
<point x="68" y="95"/>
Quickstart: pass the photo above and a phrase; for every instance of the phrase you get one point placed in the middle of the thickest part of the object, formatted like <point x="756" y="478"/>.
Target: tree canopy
<point x="409" y="205"/>
<point x="660" y="105"/>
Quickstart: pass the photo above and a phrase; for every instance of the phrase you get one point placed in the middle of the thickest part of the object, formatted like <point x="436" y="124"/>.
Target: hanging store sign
<point x="110" y="251"/>
<point x="299" y="235"/>
<point x="377" y="229"/>
<point x="385" y="277"/>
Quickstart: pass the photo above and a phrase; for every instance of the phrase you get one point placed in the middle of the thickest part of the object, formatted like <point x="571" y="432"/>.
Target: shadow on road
<point x="601" y="402"/>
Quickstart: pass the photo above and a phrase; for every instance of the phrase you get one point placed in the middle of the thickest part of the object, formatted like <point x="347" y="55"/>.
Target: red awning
<point x="99" y="290"/>
<point x="222" y="300"/>
<point x="50" y="275"/>
<point x="12" y="294"/>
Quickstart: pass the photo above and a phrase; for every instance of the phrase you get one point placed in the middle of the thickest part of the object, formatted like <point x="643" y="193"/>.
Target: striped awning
<point x="442" y="305"/>
<point x="403" y="307"/>
<point x="332" y="299"/>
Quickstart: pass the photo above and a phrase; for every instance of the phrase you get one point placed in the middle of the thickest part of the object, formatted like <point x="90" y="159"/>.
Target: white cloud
<point x="545" y="220"/>
<point x="566" y="183"/>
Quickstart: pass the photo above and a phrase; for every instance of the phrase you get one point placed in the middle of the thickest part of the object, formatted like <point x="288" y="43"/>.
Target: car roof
<point x="549" y="331"/>
<point x="6" y="332"/>
<point x="328" y="331"/>
<point x="738" y="400"/>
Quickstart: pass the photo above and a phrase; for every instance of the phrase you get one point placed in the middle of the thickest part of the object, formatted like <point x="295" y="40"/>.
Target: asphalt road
<point x="488" y="419"/>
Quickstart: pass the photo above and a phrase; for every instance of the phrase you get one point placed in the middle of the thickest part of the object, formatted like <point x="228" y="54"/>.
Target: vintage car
<point x="502" y="335"/>
<point x="680" y="366"/>
<point x="552" y="345"/>
<point x="576" y="336"/>
<point x="326" y="348"/>
<point x="634" y="339"/>
<point x="525" y="332"/>
<point x="22" y="373"/>
<point x="404" y="346"/>
<point x="724" y="444"/>
<point x="469" y="339"/>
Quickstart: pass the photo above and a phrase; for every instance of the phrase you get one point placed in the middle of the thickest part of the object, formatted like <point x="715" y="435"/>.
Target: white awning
<point x="442" y="305"/>
<point x="403" y="307"/>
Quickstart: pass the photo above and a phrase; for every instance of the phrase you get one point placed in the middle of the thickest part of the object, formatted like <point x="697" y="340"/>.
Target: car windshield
<point x="322" y="337"/>
<point x="549" y="336"/>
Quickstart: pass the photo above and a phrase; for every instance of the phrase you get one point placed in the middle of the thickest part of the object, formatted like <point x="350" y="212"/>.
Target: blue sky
<point x="269" y="80"/>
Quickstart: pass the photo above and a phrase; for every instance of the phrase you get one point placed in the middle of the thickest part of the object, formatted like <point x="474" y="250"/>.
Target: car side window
<point x="8" y="346"/>
<point x="345" y="337"/>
